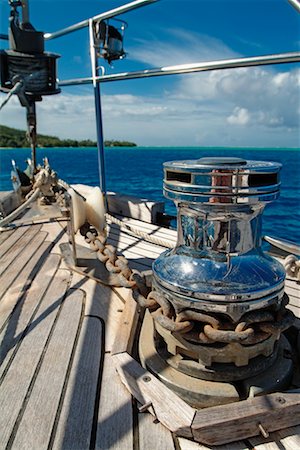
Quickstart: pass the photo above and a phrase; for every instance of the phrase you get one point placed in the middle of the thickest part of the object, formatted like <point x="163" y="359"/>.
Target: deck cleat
<point x="220" y="302"/>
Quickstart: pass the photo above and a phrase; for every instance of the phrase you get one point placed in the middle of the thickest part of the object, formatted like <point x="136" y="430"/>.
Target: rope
<point x="17" y="87"/>
<point x="138" y="232"/>
<point x="63" y="184"/>
<point x="42" y="181"/>
<point x="28" y="81"/>
<point x="292" y="266"/>
<point x="19" y="210"/>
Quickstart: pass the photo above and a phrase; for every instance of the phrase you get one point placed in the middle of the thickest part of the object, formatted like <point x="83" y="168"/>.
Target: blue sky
<point x="246" y="107"/>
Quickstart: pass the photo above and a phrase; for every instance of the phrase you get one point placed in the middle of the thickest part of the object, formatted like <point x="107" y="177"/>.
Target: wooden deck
<point x="58" y="385"/>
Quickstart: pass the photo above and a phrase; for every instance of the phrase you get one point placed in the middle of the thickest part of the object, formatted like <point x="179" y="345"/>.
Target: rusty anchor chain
<point x="107" y="254"/>
<point x="254" y="327"/>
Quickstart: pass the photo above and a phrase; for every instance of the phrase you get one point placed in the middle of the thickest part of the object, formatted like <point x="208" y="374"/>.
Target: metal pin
<point x="264" y="433"/>
<point x="144" y="407"/>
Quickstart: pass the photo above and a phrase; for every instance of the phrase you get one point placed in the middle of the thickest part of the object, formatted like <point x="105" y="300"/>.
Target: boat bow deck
<point x="59" y="387"/>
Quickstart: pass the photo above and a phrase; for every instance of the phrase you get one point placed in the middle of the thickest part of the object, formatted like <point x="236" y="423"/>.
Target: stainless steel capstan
<point x="220" y="302"/>
<point x="218" y="263"/>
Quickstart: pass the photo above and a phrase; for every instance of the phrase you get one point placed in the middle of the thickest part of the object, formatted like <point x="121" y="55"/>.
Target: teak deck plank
<point x="115" y="416"/>
<point x="101" y="302"/>
<point x="18" y="247"/>
<point x="293" y="294"/>
<point x="290" y="282"/>
<point x="5" y="235"/>
<point x="19" y="318"/>
<point x="150" y="434"/>
<point x="218" y="425"/>
<point x="287" y="439"/>
<point x="20" y="262"/>
<point x="293" y="286"/>
<point x="171" y="411"/>
<point x="115" y="234"/>
<point x="35" y="428"/>
<point x="138" y="260"/>
<point x="126" y="326"/>
<point x="153" y="435"/>
<point x="76" y="425"/>
<point x="150" y="228"/>
<point x="8" y="239"/>
<point x="185" y="444"/>
<point x="13" y="238"/>
<point x="56" y="233"/>
<point x="135" y="251"/>
<point x="21" y="372"/>
<point x="22" y="283"/>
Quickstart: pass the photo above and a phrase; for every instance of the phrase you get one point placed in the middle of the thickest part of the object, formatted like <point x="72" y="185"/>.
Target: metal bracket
<point x="70" y="228"/>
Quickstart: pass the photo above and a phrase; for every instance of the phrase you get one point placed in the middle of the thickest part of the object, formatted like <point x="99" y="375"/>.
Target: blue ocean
<point x="138" y="171"/>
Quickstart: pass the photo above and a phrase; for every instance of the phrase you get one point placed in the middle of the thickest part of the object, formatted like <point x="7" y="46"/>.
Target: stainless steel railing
<point x="103" y="16"/>
<point x="280" y="58"/>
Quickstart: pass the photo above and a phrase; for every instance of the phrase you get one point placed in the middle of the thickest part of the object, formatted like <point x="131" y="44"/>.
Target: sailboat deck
<point x="59" y="387"/>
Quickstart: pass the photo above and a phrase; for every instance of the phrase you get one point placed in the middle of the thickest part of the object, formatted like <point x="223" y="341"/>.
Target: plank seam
<point x="57" y="238"/>
<point x="115" y="291"/>
<point x="135" y="424"/>
<point x="60" y="223"/>
<point x="21" y="249"/>
<point x="17" y="346"/>
<point x="68" y="373"/>
<point x="37" y="370"/>
<point x="3" y="235"/>
<point x="26" y="286"/>
<point x="93" y="438"/>
<point x="248" y="444"/>
<point x="20" y="237"/>
<point x="22" y="268"/>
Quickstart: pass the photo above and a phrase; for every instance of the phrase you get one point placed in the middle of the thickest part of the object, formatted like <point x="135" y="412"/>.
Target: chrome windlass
<point x="218" y="255"/>
<point x="218" y="301"/>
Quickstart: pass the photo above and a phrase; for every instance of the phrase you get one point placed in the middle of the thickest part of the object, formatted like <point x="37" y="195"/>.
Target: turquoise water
<point x="138" y="171"/>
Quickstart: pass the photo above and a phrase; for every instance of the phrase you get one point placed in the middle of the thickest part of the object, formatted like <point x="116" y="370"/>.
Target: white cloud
<point x="249" y="106"/>
<point x="261" y="96"/>
<point x="185" y="47"/>
<point x="240" y="116"/>
<point x="280" y="79"/>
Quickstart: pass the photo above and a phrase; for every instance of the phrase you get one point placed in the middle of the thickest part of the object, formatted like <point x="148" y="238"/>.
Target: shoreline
<point x="157" y="147"/>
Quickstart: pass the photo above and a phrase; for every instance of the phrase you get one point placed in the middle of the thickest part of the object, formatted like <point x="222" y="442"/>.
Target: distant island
<point x="12" y="138"/>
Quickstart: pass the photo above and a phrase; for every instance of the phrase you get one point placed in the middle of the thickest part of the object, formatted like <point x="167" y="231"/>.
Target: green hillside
<point x="12" y="137"/>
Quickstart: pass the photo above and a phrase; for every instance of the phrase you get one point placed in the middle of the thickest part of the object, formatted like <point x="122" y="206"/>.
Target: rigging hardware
<point x="109" y="40"/>
<point x="25" y="68"/>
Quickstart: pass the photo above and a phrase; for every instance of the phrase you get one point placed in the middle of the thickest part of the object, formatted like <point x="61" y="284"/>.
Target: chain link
<point x="107" y="254"/>
<point x="254" y="327"/>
